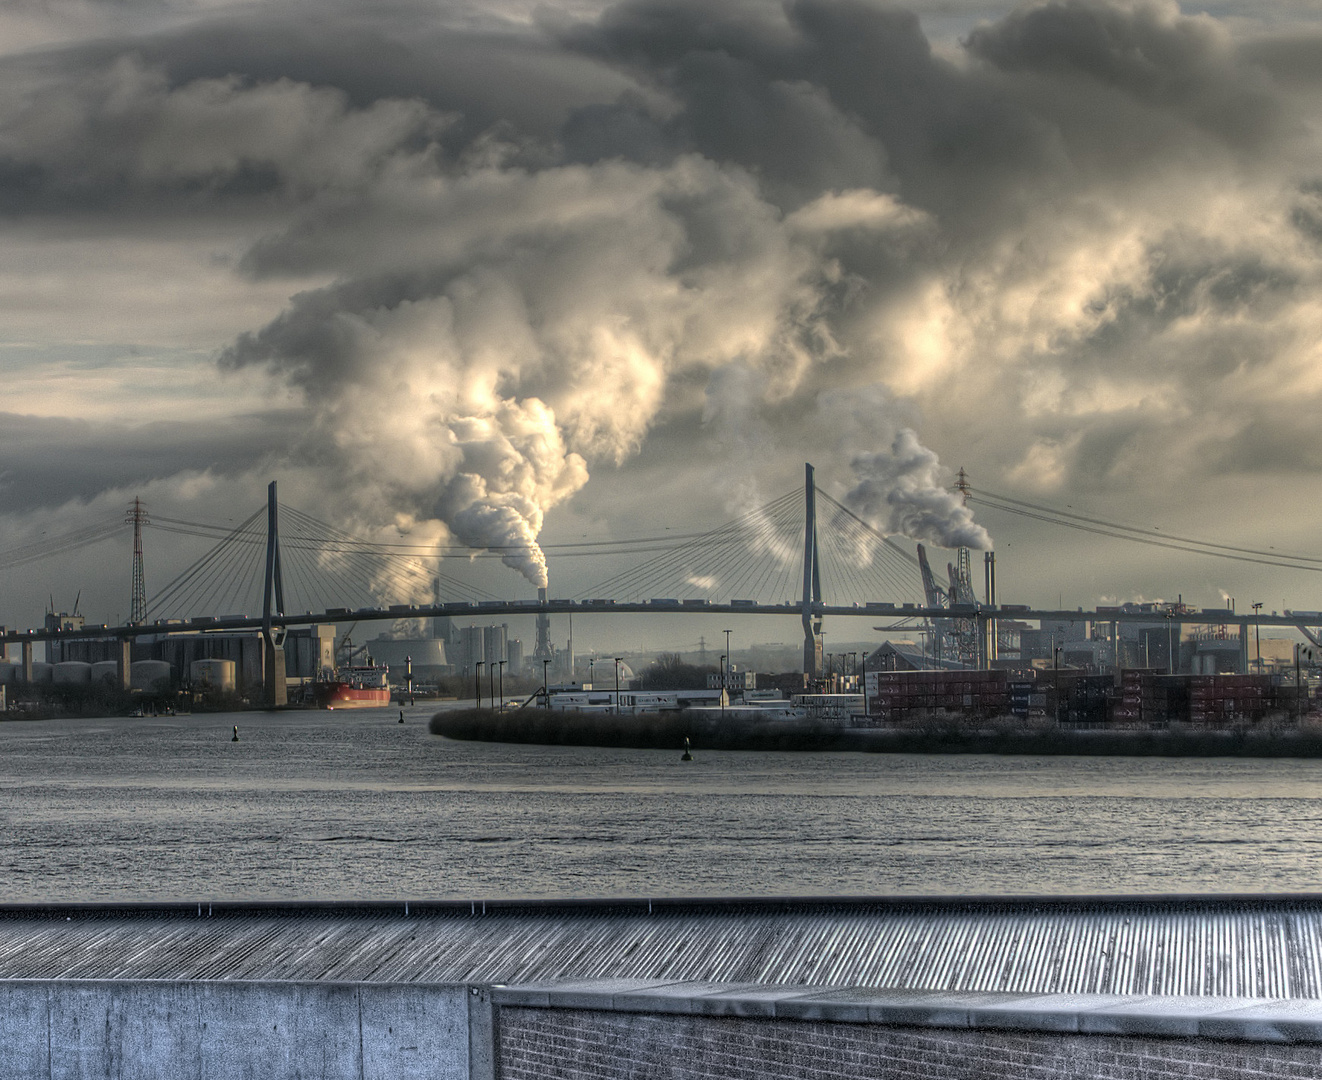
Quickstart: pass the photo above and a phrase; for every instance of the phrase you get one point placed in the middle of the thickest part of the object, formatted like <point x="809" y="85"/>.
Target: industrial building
<point x="309" y="654"/>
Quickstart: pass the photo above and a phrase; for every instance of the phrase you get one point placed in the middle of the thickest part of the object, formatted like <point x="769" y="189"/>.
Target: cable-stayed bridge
<point x="803" y="554"/>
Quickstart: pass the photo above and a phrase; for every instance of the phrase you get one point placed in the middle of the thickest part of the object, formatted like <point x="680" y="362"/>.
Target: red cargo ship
<point x="356" y="688"/>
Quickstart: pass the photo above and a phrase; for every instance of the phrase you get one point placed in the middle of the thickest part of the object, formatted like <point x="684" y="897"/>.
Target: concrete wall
<point x="632" y="1029"/>
<point x="141" y="1030"/>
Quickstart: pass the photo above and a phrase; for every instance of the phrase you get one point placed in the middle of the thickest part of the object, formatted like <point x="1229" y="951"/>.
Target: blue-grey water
<point x="356" y="805"/>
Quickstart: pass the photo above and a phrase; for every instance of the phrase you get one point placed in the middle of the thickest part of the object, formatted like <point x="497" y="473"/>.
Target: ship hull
<point x="349" y="697"/>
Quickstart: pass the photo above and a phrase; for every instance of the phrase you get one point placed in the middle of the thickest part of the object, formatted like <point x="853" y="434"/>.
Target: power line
<point x="1135" y="534"/>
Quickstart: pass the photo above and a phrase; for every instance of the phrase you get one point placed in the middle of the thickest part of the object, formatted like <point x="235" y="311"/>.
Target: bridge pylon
<point x="277" y="692"/>
<point x="812" y="580"/>
<point x="137" y="517"/>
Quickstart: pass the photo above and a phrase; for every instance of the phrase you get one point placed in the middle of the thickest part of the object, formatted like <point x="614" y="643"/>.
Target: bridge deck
<point x="1261" y="947"/>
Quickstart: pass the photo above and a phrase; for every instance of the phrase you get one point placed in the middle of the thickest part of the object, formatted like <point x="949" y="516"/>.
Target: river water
<point x="355" y="805"/>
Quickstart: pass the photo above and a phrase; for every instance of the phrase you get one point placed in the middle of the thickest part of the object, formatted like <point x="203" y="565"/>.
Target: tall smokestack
<point x="543" y="651"/>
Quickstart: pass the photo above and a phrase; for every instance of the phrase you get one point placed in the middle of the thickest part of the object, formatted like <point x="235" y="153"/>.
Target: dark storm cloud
<point x="818" y="95"/>
<point x="51" y="461"/>
<point x="1182" y="65"/>
<point x="516" y="250"/>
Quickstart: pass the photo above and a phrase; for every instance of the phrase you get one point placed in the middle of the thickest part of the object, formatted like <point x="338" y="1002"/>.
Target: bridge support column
<point x="27" y="662"/>
<point x="273" y="603"/>
<point x="812" y="581"/>
<point x="273" y="672"/>
<point x="124" y="663"/>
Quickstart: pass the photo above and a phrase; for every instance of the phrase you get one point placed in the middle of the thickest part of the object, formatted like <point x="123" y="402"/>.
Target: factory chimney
<point x="543" y="650"/>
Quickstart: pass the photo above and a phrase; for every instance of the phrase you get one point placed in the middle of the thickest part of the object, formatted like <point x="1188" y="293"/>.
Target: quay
<point x="909" y="988"/>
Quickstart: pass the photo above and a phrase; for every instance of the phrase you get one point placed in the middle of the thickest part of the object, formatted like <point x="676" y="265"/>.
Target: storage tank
<point x="42" y="673"/>
<point x="106" y="671"/>
<point x="74" y="672"/>
<point x="215" y="675"/>
<point x="153" y="675"/>
<point x="8" y="672"/>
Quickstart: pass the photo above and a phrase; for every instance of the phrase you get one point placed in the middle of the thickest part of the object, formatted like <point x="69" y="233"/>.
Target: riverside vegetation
<point x="938" y="735"/>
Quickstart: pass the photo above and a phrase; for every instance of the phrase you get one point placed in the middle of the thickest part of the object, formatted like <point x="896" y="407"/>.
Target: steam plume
<point x="901" y="492"/>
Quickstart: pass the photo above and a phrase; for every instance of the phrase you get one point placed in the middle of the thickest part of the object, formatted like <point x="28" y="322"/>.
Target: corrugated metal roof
<point x="1240" y="947"/>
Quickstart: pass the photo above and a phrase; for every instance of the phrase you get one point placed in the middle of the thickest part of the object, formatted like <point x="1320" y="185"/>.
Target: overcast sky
<point x="502" y="272"/>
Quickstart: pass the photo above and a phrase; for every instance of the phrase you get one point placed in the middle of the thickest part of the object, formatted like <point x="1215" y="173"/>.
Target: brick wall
<point x="581" y="1044"/>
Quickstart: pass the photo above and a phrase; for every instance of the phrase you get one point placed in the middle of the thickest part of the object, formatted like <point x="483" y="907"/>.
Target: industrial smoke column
<point x="137" y="517"/>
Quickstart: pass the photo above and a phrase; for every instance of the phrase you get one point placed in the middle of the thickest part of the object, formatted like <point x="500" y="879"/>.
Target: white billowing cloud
<point x="901" y="490"/>
<point x="546" y="334"/>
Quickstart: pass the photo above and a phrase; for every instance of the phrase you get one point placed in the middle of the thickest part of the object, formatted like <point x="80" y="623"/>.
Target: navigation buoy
<point x="688" y="754"/>
<point x="236" y="734"/>
<point x="401" y="716"/>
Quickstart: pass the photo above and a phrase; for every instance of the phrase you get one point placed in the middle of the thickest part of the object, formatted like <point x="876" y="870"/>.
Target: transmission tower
<point x="137" y="517"/>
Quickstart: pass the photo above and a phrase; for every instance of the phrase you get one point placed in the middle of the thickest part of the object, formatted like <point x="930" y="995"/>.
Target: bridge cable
<point x="1134" y="534"/>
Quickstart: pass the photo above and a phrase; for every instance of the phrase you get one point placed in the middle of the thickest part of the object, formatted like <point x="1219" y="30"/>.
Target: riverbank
<point x="667" y="731"/>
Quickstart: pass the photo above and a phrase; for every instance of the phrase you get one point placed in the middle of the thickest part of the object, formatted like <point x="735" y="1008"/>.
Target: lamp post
<point x="1170" y="640"/>
<point x="724" y="693"/>
<point x="501" y="682"/>
<point x="477" y="681"/>
<point x="591" y="660"/>
<point x="617" y="684"/>
<point x="491" y="680"/>
<point x="546" y="693"/>
<point x="853" y="666"/>
<point x="1056" y="681"/>
<point x="1257" y="638"/>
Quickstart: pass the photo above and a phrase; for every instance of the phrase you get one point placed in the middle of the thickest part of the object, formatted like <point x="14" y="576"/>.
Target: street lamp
<point x="617" y="684"/>
<point x="591" y="660"/>
<point x="477" y="680"/>
<point x="1170" y="640"/>
<point x="546" y="693"/>
<point x="1056" y="681"/>
<point x="724" y="693"/>
<point x="501" y="681"/>
<point x="1257" y="638"/>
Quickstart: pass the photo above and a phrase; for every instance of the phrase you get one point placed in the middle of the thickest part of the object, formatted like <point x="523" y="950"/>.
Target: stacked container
<point x="906" y="695"/>
<point x="1215" y="700"/>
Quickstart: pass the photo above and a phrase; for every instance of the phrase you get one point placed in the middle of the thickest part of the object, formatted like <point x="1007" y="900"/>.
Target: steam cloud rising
<point x="902" y="492"/>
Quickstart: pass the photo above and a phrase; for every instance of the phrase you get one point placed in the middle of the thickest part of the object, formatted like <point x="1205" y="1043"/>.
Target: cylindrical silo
<point x="75" y="672"/>
<point x="214" y="675"/>
<point x="151" y="675"/>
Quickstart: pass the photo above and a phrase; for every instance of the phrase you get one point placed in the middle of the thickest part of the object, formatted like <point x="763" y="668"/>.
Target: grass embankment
<point x="667" y="731"/>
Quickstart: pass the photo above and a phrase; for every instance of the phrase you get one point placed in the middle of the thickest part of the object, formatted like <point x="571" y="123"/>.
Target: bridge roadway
<point x="490" y="608"/>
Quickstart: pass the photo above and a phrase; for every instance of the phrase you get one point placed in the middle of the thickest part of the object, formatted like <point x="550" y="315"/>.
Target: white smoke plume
<point x="901" y="491"/>
<point x="540" y="331"/>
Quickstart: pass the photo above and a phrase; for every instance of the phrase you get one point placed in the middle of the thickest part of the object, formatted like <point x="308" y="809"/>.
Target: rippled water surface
<point x="356" y="805"/>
